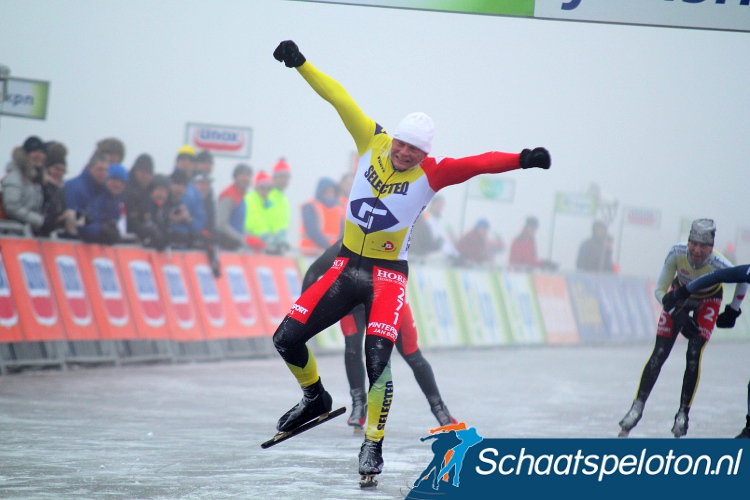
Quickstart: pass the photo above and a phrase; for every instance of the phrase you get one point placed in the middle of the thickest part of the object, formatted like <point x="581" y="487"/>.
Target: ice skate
<point x="442" y="414"/>
<point x="370" y="463"/>
<point x="315" y="402"/>
<point x="358" y="417"/>
<point x="746" y="431"/>
<point x="631" y="418"/>
<point x="680" y="426"/>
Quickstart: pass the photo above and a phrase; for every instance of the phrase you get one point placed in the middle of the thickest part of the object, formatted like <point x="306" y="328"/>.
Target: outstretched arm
<point x="443" y="172"/>
<point x="357" y="123"/>
<point x="737" y="274"/>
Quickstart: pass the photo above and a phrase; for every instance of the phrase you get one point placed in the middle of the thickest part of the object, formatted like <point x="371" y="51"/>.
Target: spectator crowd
<point x="107" y="203"/>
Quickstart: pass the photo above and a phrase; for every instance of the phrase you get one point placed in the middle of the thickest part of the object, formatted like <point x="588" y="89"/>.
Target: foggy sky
<point x="656" y="117"/>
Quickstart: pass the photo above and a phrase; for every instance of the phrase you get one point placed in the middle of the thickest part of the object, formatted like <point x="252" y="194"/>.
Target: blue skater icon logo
<point x="449" y="446"/>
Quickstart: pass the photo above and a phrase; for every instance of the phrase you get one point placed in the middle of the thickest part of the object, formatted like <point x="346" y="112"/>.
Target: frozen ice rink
<point x="193" y="431"/>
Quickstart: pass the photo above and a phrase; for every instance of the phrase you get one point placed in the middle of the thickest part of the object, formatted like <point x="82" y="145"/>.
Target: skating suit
<point x="678" y="272"/>
<point x="371" y="268"/>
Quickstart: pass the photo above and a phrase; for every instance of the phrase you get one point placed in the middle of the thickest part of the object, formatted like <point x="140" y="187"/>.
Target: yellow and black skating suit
<point x="384" y="203"/>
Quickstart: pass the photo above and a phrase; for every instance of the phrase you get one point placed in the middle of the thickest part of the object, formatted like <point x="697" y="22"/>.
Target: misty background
<point x="655" y="118"/>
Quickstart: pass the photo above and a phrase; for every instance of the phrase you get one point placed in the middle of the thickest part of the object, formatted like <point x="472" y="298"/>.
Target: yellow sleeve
<point x="359" y="125"/>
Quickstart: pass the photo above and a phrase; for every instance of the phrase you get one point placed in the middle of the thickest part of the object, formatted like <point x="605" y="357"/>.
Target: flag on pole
<point x="642" y="217"/>
<point x="575" y="204"/>
<point x="492" y="188"/>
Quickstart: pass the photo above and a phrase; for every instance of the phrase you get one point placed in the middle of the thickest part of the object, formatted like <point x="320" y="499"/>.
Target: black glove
<point x="535" y="158"/>
<point x="289" y="53"/>
<point x="728" y="317"/>
<point x="685" y="323"/>
<point x="109" y="234"/>
<point x="670" y="300"/>
<point x="690" y="328"/>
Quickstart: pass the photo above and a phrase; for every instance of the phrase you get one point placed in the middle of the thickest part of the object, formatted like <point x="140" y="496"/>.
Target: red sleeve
<point x="443" y="172"/>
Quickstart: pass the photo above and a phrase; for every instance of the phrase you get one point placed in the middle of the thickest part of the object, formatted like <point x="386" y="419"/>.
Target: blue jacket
<point x="194" y="204"/>
<point x="80" y="192"/>
<point x="103" y="209"/>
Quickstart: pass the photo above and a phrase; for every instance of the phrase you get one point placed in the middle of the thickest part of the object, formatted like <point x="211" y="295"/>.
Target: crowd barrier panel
<point x="73" y="297"/>
<point x="63" y="302"/>
<point x="146" y="300"/>
<point x="269" y="277"/>
<point x="10" y="322"/>
<point x="30" y="285"/>
<point x="102" y="278"/>
<point x="524" y="316"/>
<point x="484" y="314"/>
<point x="243" y="303"/>
<point x="556" y="309"/>
<point x="183" y="320"/>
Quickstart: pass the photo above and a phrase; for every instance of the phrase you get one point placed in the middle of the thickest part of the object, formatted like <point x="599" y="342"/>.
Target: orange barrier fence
<point x="70" y="291"/>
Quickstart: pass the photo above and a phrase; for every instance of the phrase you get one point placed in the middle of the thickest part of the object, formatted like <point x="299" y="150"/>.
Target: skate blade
<point x="283" y="436"/>
<point x="623" y="433"/>
<point x="357" y="429"/>
<point x="368" y="481"/>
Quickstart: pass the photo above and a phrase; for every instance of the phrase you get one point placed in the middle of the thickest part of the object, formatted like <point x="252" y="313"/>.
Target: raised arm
<point x="356" y="122"/>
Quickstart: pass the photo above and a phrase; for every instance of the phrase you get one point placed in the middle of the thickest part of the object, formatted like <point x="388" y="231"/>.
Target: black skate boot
<point x="358" y="416"/>
<point x="746" y="431"/>
<point x="680" y="426"/>
<point x="442" y="414"/>
<point x="315" y="402"/>
<point x="631" y="418"/>
<point x="370" y="462"/>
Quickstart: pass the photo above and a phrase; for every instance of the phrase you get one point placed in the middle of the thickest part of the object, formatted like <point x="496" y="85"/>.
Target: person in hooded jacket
<point x="105" y="209"/>
<point x="138" y="189"/>
<point x="57" y="217"/>
<point x="81" y="191"/>
<point x="22" y="186"/>
<point x="322" y="219"/>
<point x="151" y="225"/>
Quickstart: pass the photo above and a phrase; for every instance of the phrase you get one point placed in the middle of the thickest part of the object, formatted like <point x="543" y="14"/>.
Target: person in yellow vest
<point x="281" y="174"/>
<point x="259" y="215"/>
<point x="322" y="219"/>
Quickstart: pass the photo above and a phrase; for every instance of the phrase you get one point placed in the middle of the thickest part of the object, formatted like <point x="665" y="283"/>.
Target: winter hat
<point x="160" y="180"/>
<point x="186" y="150"/>
<point x="262" y="178"/>
<point x="242" y="168"/>
<point x="703" y="231"/>
<point x="282" y="167"/>
<point x="56" y="153"/>
<point x="416" y="129"/>
<point x="180" y="177"/>
<point x="204" y="157"/>
<point x="145" y="163"/>
<point x="33" y="143"/>
<point x="117" y="171"/>
<point x="111" y="145"/>
<point x="482" y="223"/>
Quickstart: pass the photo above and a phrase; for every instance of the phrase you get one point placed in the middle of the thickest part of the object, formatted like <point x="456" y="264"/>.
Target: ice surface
<point x="193" y="431"/>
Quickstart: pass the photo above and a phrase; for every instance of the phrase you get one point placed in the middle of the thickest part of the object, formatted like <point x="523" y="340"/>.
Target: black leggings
<point x="662" y="348"/>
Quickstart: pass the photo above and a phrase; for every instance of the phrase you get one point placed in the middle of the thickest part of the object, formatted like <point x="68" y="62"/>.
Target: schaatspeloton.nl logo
<point x="466" y="465"/>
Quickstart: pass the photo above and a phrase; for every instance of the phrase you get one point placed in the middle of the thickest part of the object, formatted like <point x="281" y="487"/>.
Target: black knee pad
<point x="377" y="355"/>
<point x="288" y="343"/>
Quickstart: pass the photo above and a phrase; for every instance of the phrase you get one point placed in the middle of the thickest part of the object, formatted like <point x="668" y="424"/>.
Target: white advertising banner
<point x="221" y="140"/>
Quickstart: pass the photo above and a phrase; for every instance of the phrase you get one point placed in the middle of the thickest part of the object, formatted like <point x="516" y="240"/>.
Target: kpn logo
<point x="442" y="476"/>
